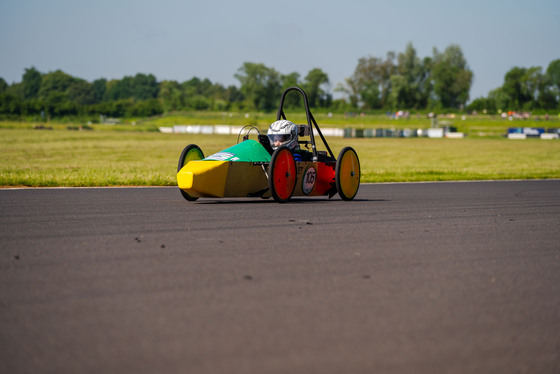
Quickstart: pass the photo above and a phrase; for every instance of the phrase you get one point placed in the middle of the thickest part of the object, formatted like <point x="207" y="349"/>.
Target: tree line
<point x="524" y="89"/>
<point x="394" y="82"/>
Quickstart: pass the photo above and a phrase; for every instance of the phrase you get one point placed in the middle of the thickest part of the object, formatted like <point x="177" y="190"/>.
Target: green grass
<point x="397" y="160"/>
<point x="113" y="158"/>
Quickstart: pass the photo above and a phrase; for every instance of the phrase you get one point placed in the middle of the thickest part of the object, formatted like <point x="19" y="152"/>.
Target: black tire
<point x="282" y="173"/>
<point x="190" y="152"/>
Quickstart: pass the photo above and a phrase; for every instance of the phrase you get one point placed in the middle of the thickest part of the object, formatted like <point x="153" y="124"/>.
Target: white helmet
<point x="283" y="132"/>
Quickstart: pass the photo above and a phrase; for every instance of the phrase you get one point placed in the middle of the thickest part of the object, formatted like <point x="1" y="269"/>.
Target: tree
<point x="483" y="105"/>
<point x="451" y="76"/>
<point x="532" y="85"/>
<point x="517" y="95"/>
<point x="293" y="99"/>
<point x="31" y="83"/>
<point x="53" y="94"/>
<point x="10" y="104"/>
<point x="371" y="83"/>
<point x="55" y="82"/>
<point x="367" y="80"/>
<point x="399" y="96"/>
<point x="404" y="86"/>
<point x="233" y="95"/>
<point x="119" y="89"/>
<point x="3" y="85"/>
<point x="425" y="83"/>
<point x="500" y="98"/>
<point x="196" y="86"/>
<point x="195" y="93"/>
<point x="81" y="92"/>
<point x="99" y="89"/>
<point x="316" y="84"/>
<point x="57" y="104"/>
<point x="171" y="95"/>
<point x="146" y="108"/>
<point x="139" y="87"/>
<point x="415" y="88"/>
<point x="144" y="87"/>
<point x="260" y="85"/>
<point x="547" y="97"/>
<point x="553" y="79"/>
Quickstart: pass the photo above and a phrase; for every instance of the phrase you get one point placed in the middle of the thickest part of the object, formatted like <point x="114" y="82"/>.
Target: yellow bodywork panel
<point x="205" y="178"/>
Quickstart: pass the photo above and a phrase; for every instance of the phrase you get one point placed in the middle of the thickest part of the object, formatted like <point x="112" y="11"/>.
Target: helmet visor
<point x="279" y="139"/>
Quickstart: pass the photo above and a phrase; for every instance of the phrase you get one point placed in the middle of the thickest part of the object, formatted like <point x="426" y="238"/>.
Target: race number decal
<point x="309" y="178"/>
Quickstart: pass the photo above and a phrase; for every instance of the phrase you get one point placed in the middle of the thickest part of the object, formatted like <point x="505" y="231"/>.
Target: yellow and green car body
<point x="242" y="171"/>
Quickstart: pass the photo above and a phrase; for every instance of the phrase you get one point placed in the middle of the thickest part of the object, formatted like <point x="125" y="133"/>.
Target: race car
<point x="257" y="168"/>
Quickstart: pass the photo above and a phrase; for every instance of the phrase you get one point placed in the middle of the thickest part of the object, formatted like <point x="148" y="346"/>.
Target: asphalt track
<point x="407" y="278"/>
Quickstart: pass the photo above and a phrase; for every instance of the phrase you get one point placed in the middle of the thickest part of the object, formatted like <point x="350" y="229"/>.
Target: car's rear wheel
<point x="347" y="173"/>
<point x="282" y="174"/>
<point x="191" y="152"/>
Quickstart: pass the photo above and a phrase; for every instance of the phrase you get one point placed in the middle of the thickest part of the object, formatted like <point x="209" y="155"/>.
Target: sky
<point x="181" y="39"/>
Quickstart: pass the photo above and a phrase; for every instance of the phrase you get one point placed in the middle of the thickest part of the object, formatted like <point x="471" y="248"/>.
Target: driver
<point x="285" y="133"/>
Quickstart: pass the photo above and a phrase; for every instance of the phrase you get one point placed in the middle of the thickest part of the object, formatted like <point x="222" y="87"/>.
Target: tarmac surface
<point x="407" y="278"/>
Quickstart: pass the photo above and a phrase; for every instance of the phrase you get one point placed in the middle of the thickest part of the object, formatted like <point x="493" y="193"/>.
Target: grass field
<point x="108" y="158"/>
